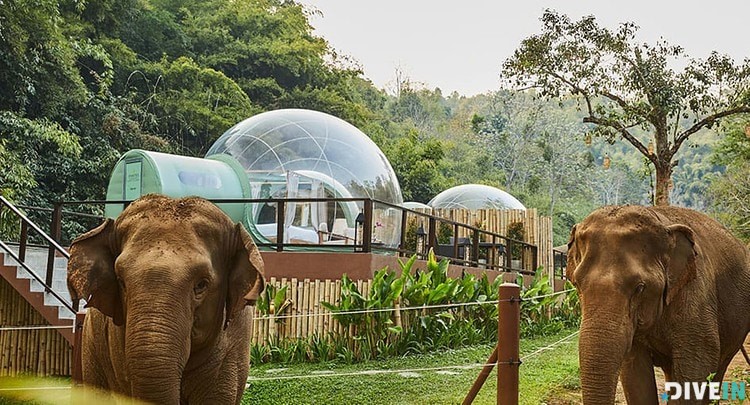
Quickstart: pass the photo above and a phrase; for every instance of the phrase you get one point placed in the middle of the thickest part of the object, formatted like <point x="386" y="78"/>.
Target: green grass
<point x="541" y="376"/>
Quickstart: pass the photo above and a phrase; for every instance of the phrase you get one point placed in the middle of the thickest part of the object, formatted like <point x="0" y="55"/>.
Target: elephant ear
<point x="682" y="264"/>
<point x="572" y="261"/>
<point x="91" y="272"/>
<point x="246" y="278"/>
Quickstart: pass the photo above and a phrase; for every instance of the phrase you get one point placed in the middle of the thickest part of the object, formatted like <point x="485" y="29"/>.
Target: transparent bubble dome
<point x="307" y="154"/>
<point x="312" y="143"/>
<point x="474" y="197"/>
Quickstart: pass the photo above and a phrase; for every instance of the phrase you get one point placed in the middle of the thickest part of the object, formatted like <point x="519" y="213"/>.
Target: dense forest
<point x="83" y="81"/>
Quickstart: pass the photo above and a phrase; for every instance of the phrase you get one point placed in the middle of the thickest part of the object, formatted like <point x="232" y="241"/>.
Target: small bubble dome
<point x="474" y="197"/>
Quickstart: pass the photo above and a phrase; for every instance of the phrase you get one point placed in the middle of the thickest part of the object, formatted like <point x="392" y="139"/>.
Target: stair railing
<point x="54" y="249"/>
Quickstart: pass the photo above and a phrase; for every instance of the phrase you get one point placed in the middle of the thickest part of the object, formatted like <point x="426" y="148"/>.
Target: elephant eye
<point x="201" y="287"/>
<point x="639" y="288"/>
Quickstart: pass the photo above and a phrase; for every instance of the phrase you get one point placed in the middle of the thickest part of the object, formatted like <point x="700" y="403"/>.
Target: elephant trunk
<point x="605" y="339"/>
<point x="157" y="348"/>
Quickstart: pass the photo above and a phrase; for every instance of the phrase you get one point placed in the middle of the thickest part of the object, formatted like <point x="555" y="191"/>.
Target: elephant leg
<point x="719" y="377"/>
<point x="697" y="366"/>
<point x="637" y="375"/>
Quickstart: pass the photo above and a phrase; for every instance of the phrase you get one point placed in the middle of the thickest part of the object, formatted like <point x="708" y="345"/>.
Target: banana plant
<point x="273" y="300"/>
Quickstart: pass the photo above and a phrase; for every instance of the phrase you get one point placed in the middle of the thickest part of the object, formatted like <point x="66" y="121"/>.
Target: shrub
<point x="424" y="327"/>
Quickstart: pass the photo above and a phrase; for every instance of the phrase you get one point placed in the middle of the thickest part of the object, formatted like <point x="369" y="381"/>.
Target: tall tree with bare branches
<point x="628" y="89"/>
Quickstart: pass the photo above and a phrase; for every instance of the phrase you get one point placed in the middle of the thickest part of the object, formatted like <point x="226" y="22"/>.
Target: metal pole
<point x="493" y="251"/>
<point x="508" y="337"/>
<point x="55" y="233"/>
<point x="404" y="225"/>
<point x="280" y="218"/>
<point x="431" y="233"/>
<point x="367" y="228"/>
<point x="455" y="241"/>
<point x="509" y="255"/>
<point x="475" y="247"/>
<point x="77" y="371"/>
<point x="24" y="240"/>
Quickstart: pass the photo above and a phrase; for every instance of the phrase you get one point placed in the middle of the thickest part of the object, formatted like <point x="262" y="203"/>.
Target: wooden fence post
<point x="506" y="354"/>
<point x="508" y="336"/>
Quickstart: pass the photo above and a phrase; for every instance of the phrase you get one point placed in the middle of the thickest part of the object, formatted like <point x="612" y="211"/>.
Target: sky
<point x="460" y="45"/>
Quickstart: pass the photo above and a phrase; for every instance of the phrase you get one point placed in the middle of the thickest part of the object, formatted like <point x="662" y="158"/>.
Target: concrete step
<point x="65" y="313"/>
<point x="51" y="300"/>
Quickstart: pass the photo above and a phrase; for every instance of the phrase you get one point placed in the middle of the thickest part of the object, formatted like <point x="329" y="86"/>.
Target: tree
<point x="417" y="160"/>
<point x="731" y="190"/>
<point x="626" y="87"/>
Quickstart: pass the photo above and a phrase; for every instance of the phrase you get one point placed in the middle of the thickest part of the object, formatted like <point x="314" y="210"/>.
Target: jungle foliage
<point x="81" y="82"/>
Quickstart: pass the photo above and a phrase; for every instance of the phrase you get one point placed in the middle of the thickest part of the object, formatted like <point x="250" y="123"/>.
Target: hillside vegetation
<point x="81" y="82"/>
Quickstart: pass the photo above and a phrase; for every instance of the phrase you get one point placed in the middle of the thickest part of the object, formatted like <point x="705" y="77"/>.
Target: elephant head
<point x="628" y="264"/>
<point x="174" y="274"/>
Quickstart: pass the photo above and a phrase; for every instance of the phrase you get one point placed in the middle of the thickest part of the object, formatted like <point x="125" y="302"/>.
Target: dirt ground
<point x="738" y="370"/>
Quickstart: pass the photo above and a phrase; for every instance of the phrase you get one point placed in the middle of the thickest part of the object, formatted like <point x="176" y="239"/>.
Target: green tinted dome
<point x="474" y="197"/>
<point x="295" y="140"/>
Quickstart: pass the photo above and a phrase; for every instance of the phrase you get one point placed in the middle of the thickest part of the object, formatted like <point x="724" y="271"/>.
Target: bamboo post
<point x="397" y="312"/>
<point x="283" y="325"/>
<point x="306" y="308"/>
<point x="326" y="298"/>
<point x="256" y="325"/>
<point x="320" y="292"/>
<point x="508" y="336"/>
<point x="337" y="298"/>
<point x="294" y="308"/>
<point x="300" y="307"/>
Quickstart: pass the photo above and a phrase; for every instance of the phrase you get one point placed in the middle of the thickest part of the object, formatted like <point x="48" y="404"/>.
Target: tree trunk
<point x="663" y="181"/>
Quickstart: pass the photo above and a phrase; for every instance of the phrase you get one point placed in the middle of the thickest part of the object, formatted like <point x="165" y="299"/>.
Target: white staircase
<point x="36" y="260"/>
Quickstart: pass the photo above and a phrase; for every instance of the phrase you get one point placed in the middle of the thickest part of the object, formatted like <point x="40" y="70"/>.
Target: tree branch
<point x="704" y="123"/>
<point x="622" y="130"/>
<point x="617" y="99"/>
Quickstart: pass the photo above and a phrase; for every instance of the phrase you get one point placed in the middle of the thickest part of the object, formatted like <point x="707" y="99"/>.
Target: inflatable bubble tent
<point x="296" y="153"/>
<point x="474" y="197"/>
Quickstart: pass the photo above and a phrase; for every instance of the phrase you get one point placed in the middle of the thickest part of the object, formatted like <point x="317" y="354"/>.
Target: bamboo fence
<point x="43" y="352"/>
<point x="304" y="315"/>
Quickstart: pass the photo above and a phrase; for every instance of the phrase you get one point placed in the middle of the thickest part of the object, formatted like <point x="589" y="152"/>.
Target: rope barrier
<point x="549" y="295"/>
<point x="411" y="370"/>
<point x="378" y="310"/>
<point x="549" y="347"/>
<point x="36" y="327"/>
<point x="368" y="372"/>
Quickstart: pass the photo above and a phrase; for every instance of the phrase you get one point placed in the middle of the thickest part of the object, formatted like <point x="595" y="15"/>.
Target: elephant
<point x="661" y="287"/>
<point x="167" y="286"/>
